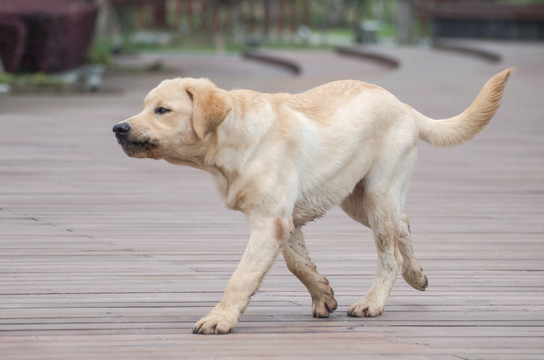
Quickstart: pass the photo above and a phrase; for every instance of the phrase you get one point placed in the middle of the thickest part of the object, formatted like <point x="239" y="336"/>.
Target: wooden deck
<point x="106" y="257"/>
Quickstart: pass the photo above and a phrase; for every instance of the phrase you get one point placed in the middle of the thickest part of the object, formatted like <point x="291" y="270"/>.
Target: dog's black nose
<point x="121" y="129"/>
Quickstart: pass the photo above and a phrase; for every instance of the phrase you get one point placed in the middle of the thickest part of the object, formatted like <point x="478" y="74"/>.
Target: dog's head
<point x="178" y="119"/>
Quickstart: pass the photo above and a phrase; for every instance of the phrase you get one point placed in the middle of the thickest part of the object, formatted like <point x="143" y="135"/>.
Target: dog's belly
<point x="305" y="212"/>
<point x="315" y="204"/>
<point x="318" y="193"/>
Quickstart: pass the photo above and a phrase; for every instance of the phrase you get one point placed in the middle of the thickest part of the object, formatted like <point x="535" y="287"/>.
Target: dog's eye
<point x="160" y="110"/>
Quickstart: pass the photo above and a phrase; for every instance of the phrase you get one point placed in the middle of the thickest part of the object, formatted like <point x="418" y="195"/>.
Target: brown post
<point x="281" y="18"/>
<point x="159" y="14"/>
<point x="293" y="17"/>
<point x="266" y="26"/>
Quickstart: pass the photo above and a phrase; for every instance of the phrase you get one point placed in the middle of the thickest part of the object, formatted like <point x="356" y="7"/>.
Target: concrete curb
<point x="290" y="66"/>
<point x="461" y="47"/>
<point x="385" y="60"/>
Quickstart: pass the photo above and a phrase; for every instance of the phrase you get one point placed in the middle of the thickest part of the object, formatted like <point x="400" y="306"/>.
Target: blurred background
<point x="58" y="44"/>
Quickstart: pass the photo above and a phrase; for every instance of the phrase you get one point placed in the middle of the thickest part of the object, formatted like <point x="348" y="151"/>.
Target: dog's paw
<point x="365" y="308"/>
<point x="415" y="278"/>
<point x="323" y="308"/>
<point x="216" y="322"/>
<point x="324" y="304"/>
<point x="323" y="301"/>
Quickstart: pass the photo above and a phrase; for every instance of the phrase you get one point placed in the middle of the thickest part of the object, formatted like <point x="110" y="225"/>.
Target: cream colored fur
<point x="285" y="159"/>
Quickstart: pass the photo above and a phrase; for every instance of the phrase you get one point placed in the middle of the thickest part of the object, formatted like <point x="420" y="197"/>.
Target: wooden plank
<point x="102" y="256"/>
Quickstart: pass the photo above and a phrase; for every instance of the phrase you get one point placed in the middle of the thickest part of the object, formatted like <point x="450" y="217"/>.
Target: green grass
<point x="33" y="82"/>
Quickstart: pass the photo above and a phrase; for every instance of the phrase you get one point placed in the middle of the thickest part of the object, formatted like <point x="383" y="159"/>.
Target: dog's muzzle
<point x="133" y="146"/>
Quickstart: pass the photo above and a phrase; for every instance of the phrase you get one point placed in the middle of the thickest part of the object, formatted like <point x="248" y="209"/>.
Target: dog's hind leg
<point x="411" y="271"/>
<point x="384" y="220"/>
<point x="299" y="263"/>
<point x="377" y="202"/>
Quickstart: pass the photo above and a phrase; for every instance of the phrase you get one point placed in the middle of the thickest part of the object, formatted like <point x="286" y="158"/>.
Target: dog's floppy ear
<point x="210" y="106"/>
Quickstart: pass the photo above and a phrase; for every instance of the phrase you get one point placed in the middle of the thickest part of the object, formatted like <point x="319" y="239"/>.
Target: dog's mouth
<point x="137" y="148"/>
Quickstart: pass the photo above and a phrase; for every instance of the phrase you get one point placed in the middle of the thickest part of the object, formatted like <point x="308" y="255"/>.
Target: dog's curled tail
<point x="463" y="127"/>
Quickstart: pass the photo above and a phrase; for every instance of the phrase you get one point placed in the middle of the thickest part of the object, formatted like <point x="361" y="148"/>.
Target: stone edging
<point x="385" y="60"/>
<point x="466" y="49"/>
<point x="291" y="66"/>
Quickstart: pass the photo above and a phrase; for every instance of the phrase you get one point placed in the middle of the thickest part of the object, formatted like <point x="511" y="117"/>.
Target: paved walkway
<point x="107" y="257"/>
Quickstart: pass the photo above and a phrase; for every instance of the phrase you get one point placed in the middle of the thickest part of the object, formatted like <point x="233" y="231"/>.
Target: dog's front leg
<point x="267" y="237"/>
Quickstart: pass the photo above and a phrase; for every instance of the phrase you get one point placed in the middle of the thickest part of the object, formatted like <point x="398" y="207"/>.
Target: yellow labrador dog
<point x="285" y="159"/>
